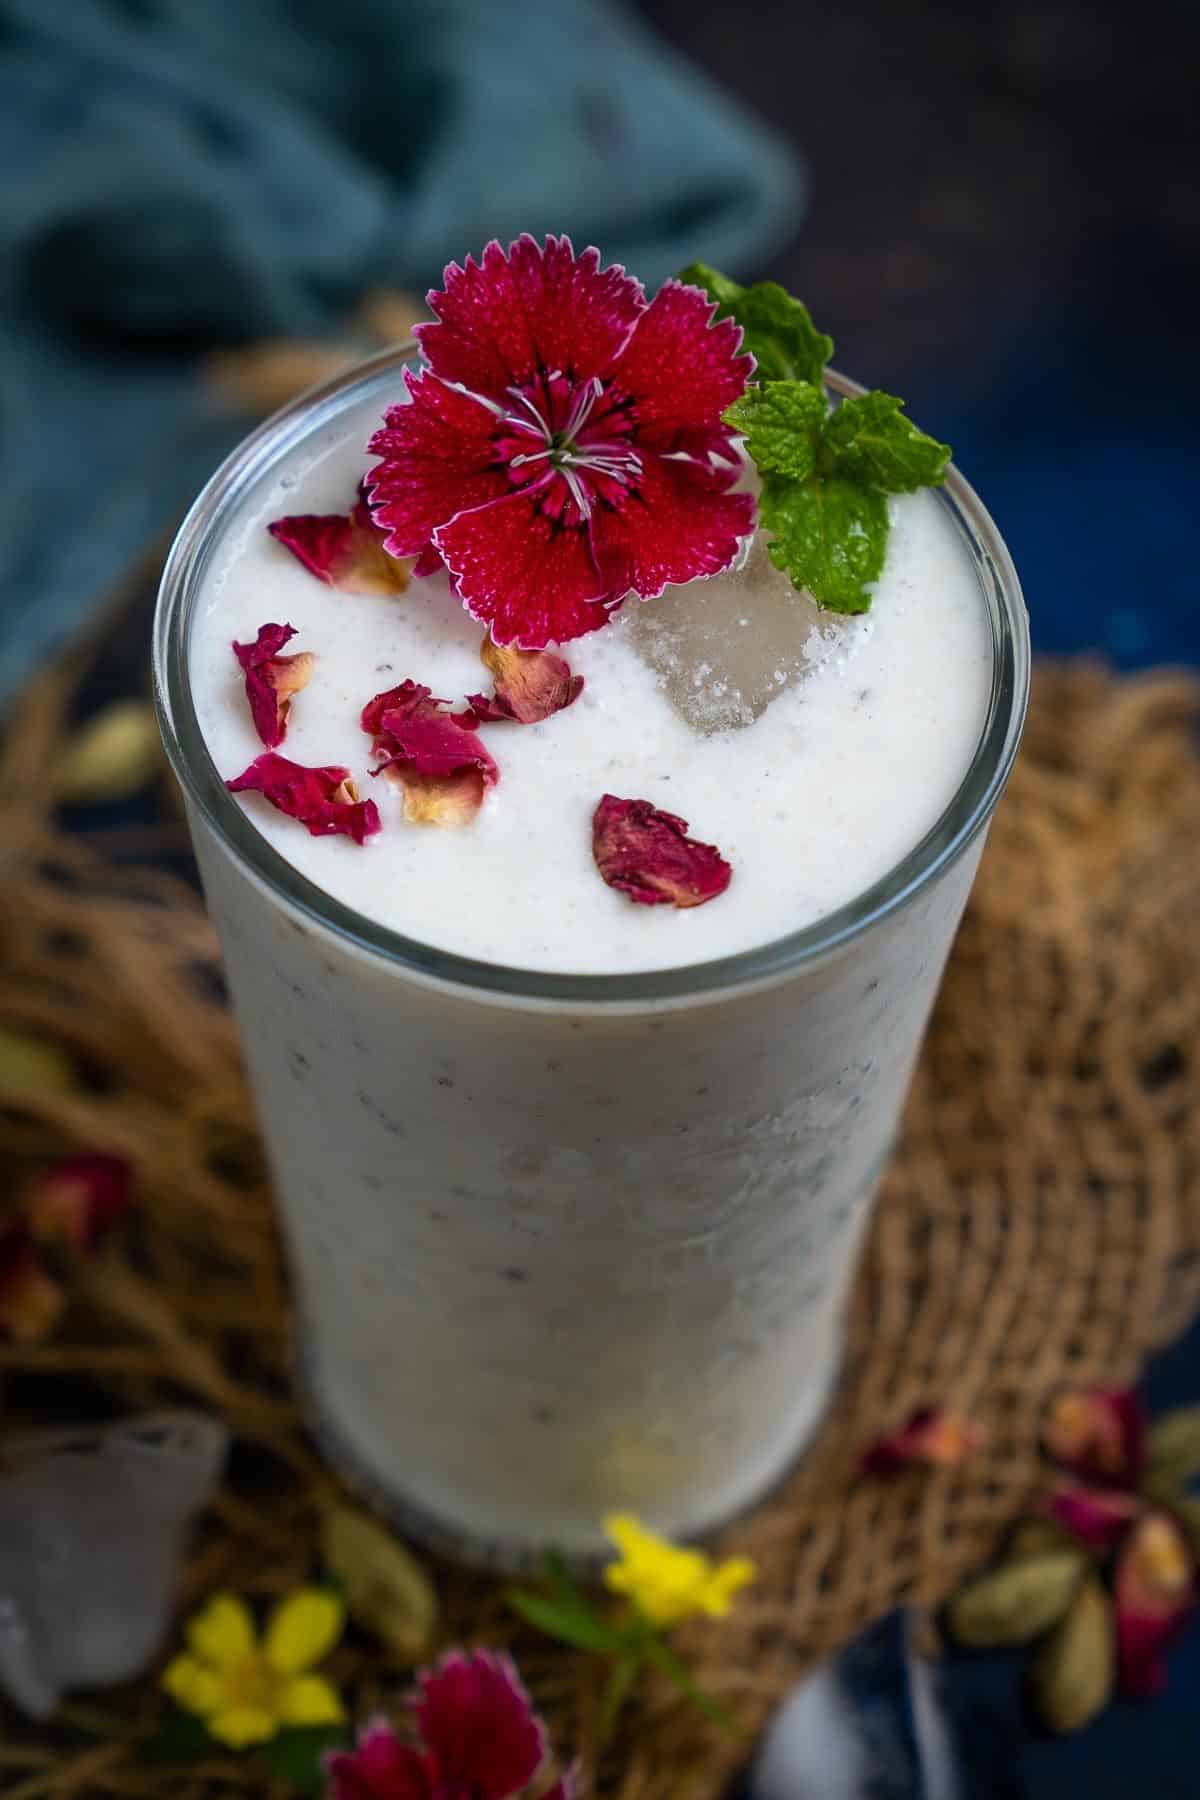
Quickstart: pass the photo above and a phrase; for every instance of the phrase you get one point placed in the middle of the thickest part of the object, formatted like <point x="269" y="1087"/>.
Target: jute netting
<point x="1040" y="1225"/>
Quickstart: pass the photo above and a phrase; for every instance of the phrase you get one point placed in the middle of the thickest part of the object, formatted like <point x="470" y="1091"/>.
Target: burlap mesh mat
<point x="1040" y="1224"/>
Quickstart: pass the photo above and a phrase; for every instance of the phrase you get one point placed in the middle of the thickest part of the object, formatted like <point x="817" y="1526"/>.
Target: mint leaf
<point x="776" y="329"/>
<point x="829" y="534"/>
<point x="869" y="440"/>
<point x="782" y="423"/>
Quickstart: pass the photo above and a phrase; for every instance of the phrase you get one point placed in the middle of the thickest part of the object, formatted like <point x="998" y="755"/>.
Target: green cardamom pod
<point x="30" y="1065"/>
<point x="1072" y="1675"/>
<point x="108" y="758"/>
<point x="1017" y="1601"/>
<point x="1173" y="1446"/>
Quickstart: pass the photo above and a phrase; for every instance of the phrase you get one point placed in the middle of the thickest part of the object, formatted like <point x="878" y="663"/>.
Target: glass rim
<point x="960" y="822"/>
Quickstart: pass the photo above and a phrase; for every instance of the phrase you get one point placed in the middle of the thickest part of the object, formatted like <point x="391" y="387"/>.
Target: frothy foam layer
<point x="815" y="752"/>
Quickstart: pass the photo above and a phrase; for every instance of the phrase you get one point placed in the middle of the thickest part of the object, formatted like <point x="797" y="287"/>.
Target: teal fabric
<point x="180" y="173"/>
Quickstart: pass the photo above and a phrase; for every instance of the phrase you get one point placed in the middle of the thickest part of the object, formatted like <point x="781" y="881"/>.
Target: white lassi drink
<point x="572" y="1185"/>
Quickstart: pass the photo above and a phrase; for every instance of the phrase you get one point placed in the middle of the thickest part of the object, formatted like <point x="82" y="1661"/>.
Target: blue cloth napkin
<point x="180" y="173"/>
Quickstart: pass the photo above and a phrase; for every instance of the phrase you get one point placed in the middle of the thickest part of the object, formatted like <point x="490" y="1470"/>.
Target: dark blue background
<point x="1004" y="227"/>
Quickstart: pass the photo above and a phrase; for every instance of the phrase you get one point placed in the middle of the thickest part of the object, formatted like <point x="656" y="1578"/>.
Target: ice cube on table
<point x="725" y="646"/>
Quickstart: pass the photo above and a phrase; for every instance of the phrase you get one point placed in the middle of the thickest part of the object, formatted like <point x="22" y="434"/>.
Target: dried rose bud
<point x="78" y="1202"/>
<point x="1096" y="1516"/>
<point x="30" y="1298"/>
<point x="324" y="799"/>
<point x="1097" y="1433"/>
<point x="1155" y="1593"/>
<point x="272" y="680"/>
<point x="344" y="550"/>
<point x="435" y="756"/>
<point x="529" y="685"/>
<point x="648" y="855"/>
<point x="931" y="1436"/>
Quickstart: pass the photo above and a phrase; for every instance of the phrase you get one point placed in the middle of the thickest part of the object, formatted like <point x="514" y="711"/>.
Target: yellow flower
<point x="665" y="1583"/>
<point x="246" y="1691"/>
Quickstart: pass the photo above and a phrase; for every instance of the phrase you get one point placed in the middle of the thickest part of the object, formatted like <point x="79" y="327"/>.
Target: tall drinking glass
<point x="568" y="1243"/>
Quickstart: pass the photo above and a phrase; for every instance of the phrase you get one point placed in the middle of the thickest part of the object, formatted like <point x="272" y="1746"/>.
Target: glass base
<point x="492" y="1555"/>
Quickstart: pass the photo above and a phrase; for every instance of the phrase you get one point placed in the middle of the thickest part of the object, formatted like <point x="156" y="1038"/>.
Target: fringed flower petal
<point x="477" y="1720"/>
<point x="681" y="371"/>
<point x="520" y="571"/>
<point x="503" y="320"/>
<point x="529" y="685"/>
<point x="676" y="525"/>
<point x="380" y="1767"/>
<point x="344" y="550"/>
<point x="438" y="459"/>
<point x="648" y="855"/>
<point x="325" y="800"/>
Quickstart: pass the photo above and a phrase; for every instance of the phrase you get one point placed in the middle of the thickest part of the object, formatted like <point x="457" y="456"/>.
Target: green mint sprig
<point x="825" y="474"/>
<point x="628" y="1643"/>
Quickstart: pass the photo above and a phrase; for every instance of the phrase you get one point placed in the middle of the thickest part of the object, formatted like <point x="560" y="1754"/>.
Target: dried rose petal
<point x="437" y="757"/>
<point x="931" y="1436"/>
<point x="1098" y="1517"/>
<point x="1097" y="1433"/>
<point x="345" y="550"/>
<point x="325" y="799"/>
<point x="649" y="856"/>
<point x="1154" y="1589"/>
<point x="79" y="1201"/>
<point x="30" y="1298"/>
<point x="271" y="680"/>
<point x="529" y="684"/>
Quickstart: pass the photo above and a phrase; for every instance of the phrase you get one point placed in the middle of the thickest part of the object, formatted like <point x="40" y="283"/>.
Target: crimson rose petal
<point x="272" y="680"/>
<point x="1154" y="1590"/>
<point x="474" y="1715"/>
<point x="344" y="550"/>
<point x="323" y="799"/>
<point x="1098" y="1517"/>
<point x="1097" y="1433"/>
<point x="649" y="856"/>
<point x="437" y="757"/>
<point x="80" y="1200"/>
<point x="530" y="685"/>
<point x="931" y="1436"/>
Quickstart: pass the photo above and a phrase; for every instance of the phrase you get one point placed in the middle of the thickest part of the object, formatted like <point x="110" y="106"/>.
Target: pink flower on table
<point x="480" y="1739"/>
<point x="565" y="445"/>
